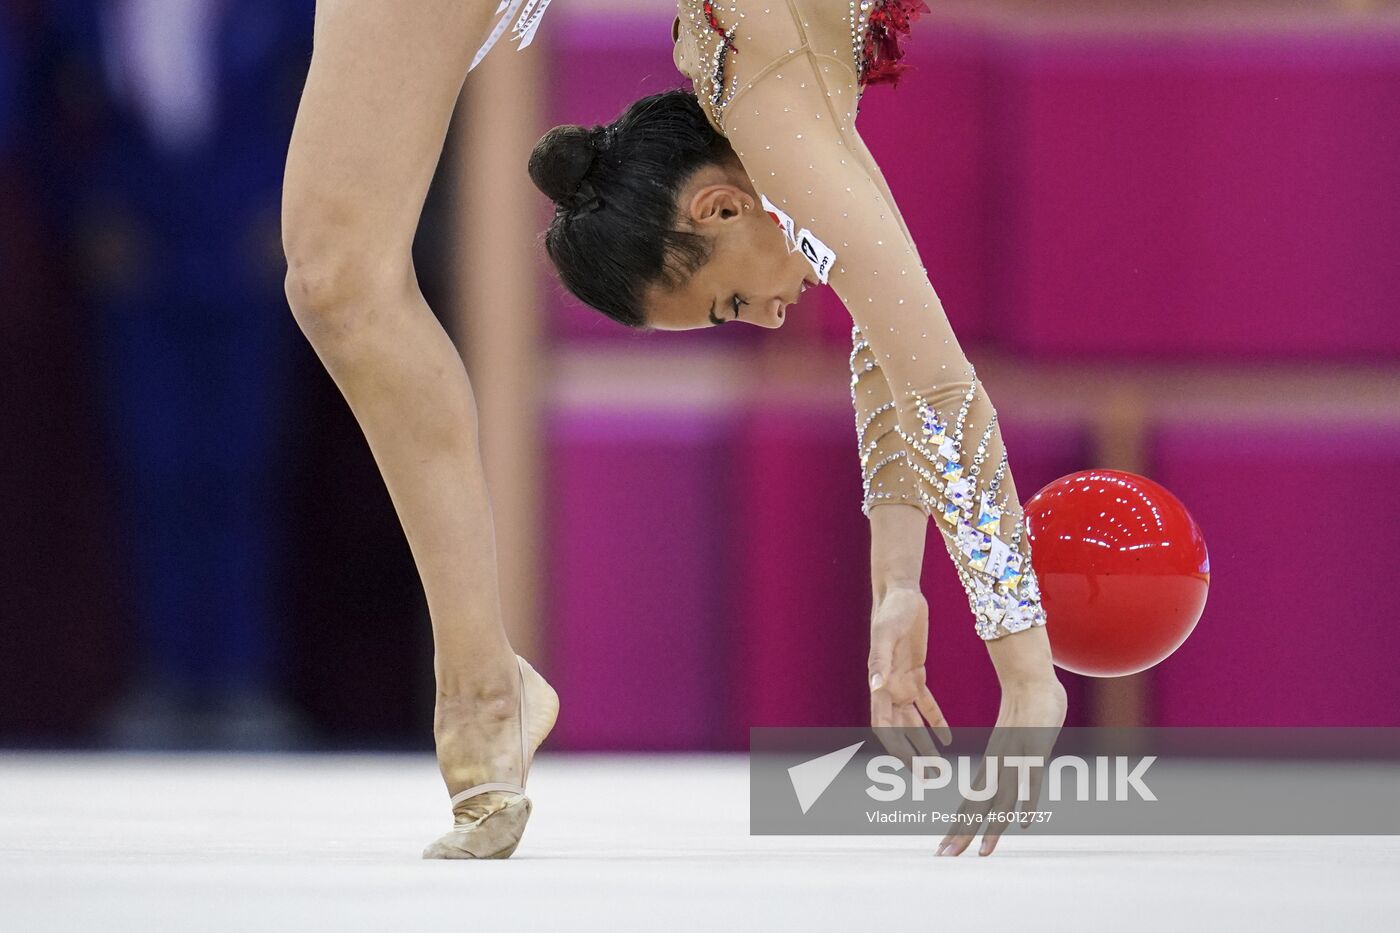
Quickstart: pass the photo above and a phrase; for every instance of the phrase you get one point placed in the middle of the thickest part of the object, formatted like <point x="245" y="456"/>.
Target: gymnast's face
<point x="751" y="277"/>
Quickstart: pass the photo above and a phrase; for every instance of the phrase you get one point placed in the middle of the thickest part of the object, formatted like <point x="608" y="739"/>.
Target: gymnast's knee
<point x="338" y="277"/>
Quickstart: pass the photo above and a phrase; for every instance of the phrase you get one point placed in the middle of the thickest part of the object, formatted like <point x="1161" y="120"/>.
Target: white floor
<point x="331" y="843"/>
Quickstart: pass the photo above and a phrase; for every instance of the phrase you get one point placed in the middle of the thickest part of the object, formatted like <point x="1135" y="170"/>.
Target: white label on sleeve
<point x="818" y="254"/>
<point x="783" y="221"/>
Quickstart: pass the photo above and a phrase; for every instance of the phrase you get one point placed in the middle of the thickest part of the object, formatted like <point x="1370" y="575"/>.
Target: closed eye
<point x="734" y="303"/>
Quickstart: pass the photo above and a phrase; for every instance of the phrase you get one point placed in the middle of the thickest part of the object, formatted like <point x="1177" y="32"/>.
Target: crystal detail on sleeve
<point x="1002" y="589"/>
<point x="886" y="479"/>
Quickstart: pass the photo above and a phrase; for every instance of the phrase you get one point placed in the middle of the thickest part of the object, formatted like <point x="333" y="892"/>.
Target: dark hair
<point x="614" y="187"/>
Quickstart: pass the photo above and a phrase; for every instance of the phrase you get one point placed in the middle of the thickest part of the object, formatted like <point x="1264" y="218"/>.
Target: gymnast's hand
<point x="1033" y="708"/>
<point x="900" y="700"/>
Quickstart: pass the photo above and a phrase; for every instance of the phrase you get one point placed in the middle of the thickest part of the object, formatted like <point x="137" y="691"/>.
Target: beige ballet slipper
<point x="490" y="818"/>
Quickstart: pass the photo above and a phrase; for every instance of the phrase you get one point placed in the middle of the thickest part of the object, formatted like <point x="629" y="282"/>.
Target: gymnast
<point x="722" y="206"/>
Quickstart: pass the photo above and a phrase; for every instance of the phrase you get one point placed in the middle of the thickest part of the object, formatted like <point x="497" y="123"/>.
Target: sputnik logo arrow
<point x="811" y="778"/>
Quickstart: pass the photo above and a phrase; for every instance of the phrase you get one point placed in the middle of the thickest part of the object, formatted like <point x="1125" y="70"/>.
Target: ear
<point x="717" y="204"/>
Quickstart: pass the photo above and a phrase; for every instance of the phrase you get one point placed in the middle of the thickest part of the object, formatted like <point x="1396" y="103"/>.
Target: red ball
<point x="1122" y="567"/>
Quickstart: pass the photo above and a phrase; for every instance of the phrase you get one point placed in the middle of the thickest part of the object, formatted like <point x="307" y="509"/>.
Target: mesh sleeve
<point x="791" y="121"/>
<point x="887" y="478"/>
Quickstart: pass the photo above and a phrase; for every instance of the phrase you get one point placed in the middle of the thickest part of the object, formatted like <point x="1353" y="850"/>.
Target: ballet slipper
<point x="490" y="818"/>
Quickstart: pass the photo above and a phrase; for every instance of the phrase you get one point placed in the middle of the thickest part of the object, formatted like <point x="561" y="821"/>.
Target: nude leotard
<point x="525" y="14"/>
<point x="782" y="80"/>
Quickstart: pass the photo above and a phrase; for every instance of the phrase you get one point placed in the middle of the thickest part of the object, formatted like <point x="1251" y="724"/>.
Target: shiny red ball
<point x="1122" y="567"/>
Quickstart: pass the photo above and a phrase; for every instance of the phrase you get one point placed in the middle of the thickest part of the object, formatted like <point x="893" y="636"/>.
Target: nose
<point x="776" y="311"/>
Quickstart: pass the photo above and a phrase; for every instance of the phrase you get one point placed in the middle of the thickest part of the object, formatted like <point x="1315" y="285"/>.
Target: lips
<point x="802" y="286"/>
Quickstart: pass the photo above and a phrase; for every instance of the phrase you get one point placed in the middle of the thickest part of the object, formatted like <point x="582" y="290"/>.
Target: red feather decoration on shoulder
<point x="890" y="23"/>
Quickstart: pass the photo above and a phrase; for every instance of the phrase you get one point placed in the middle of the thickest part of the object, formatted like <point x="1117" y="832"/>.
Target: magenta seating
<point x="1206" y="197"/>
<point x="803" y="596"/>
<point x="1298" y="628"/>
<point x="636" y="576"/>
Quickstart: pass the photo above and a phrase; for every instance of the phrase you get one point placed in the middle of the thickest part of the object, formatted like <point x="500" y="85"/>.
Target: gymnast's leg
<point x="383" y="83"/>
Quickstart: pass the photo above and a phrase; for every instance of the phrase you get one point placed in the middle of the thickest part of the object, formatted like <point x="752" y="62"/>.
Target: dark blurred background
<point x="1166" y="232"/>
<point x="193" y="532"/>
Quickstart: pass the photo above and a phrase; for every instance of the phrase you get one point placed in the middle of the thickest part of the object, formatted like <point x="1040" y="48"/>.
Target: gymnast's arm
<point x="896" y="505"/>
<point x="793" y="129"/>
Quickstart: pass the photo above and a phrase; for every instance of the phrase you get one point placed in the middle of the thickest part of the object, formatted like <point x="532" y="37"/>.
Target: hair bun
<point x="561" y="160"/>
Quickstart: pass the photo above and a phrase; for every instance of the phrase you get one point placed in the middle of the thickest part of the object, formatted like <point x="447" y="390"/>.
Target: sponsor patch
<point x="818" y="254"/>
